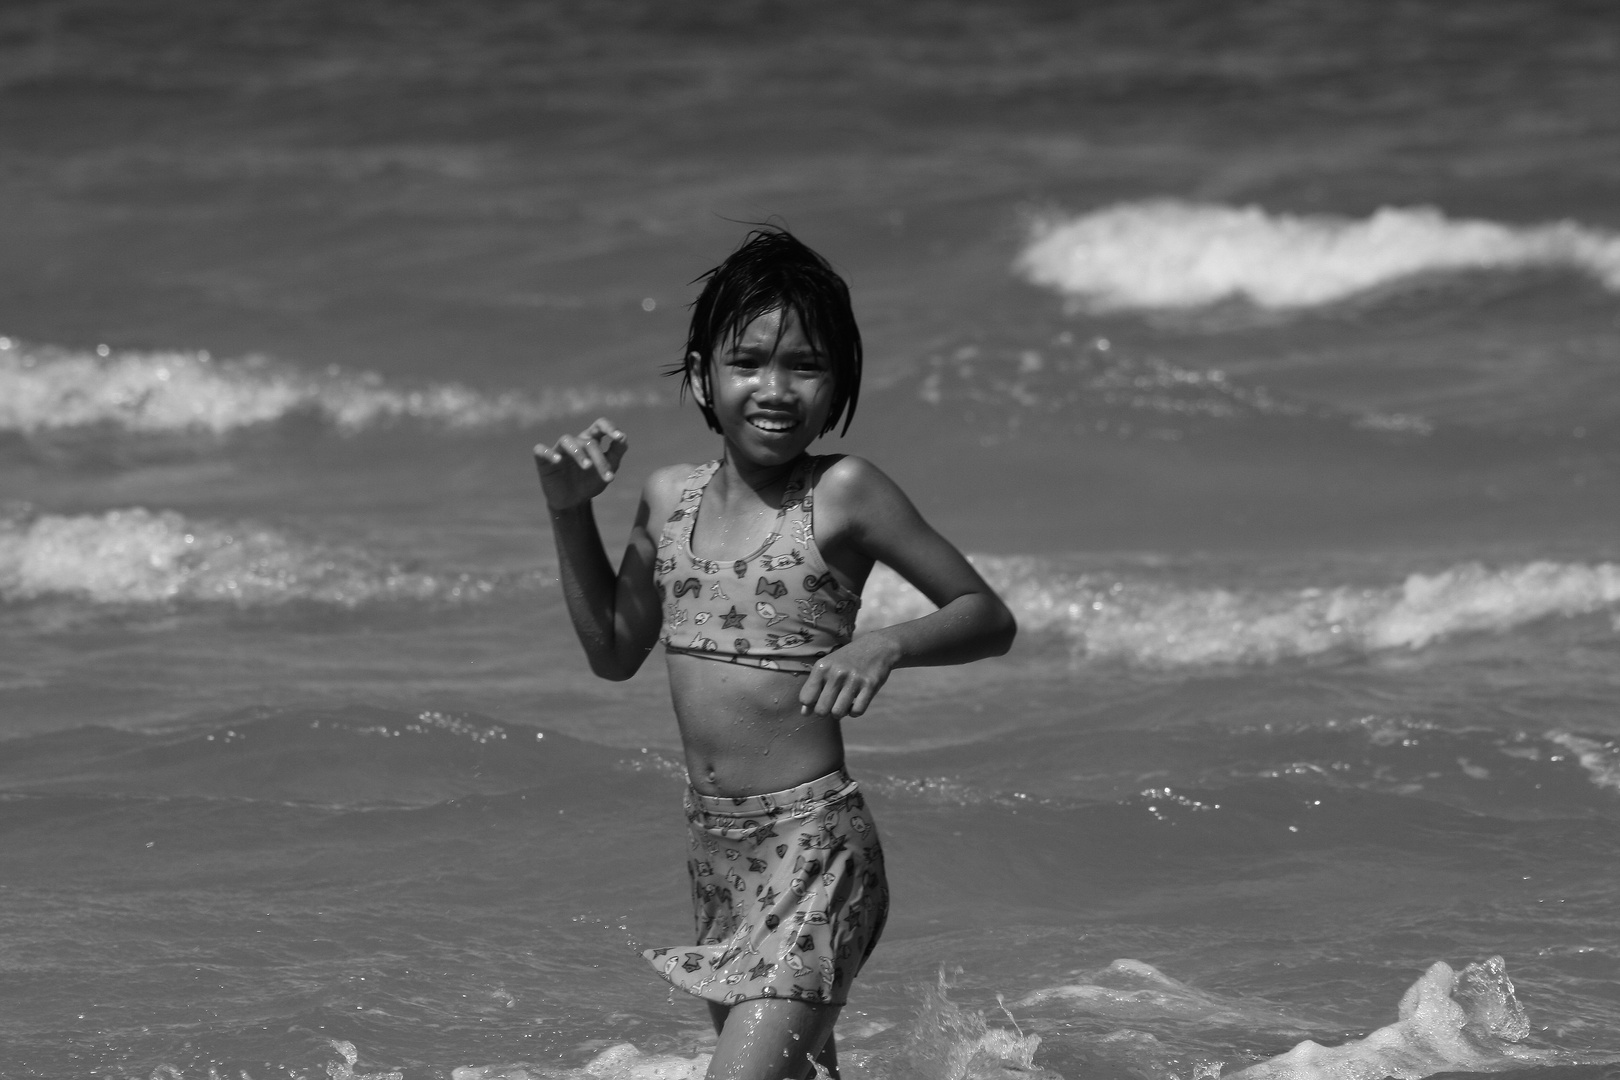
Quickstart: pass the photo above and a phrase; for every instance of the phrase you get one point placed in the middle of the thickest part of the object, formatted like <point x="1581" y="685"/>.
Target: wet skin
<point x="748" y="730"/>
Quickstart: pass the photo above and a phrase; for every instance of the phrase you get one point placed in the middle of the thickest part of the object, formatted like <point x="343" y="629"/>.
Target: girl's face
<point x="772" y="390"/>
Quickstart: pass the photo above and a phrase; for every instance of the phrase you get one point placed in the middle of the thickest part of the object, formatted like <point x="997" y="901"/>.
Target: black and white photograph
<point x="863" y="540"/>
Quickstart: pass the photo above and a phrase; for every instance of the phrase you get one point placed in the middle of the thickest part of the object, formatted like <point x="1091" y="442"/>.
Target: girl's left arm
<point x="874" y="518"/>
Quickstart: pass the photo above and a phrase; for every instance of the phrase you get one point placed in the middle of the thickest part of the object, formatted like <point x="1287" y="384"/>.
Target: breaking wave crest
<point x="139" y="556"/>
<point x="1150" y="621"/>
<point x="1447" y="1021"/>
<point x="50" y="389"/>
<point x="1172" y="254"/>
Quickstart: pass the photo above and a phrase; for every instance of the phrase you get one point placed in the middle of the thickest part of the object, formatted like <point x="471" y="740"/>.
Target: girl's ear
<point x="700" y="384"/>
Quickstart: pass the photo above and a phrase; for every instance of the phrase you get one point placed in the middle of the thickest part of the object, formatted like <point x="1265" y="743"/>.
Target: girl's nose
<point x="774" y="383"/>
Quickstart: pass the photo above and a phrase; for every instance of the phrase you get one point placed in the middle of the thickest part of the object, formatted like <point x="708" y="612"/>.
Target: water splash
<point x="622" y="1061"/>
<point x="947" y="1042"/>
<point x="1449" y="1021"/>
<point x="1172" y="254"/>
<point x="346" y="1069"/>
<point x="944" y="1042"/>
<point x="1131" y="990"/>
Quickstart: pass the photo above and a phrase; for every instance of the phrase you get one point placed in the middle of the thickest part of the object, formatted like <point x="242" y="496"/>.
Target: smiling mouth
<point x="773" y="426"/>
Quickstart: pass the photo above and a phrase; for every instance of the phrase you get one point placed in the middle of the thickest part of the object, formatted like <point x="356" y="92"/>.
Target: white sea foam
<point x="622" y="1061"/>
<point x="943" y="1042"/>
<point x="139" y="556"/>
<point x="1141" y="619"/>
<point x="1172" y="254"/>
<point x="347" y="1071"/>
<point x="1601" y="760"/>
<point x="1130" y="990"/>
<point x="1448" y="1021"/>
<point x="51" y="389"/>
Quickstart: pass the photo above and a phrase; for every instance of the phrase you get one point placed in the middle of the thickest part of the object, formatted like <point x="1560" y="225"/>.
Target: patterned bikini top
<point x="779" y="608"/>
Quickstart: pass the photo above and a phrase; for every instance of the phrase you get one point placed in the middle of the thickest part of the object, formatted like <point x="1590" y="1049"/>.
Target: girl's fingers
<point x="830" y="693"/>
<point x="615" y="450"/>
<point x="821" y="676"/>
<point x="862" y="699"/>
<point x="604" y="434"/>
<point x="824" y="697"/>
<point x="845" y="701"/>
<point x="575" y="448"/>
<point x="567" y="447"/>
<point x="600" y="447"/>
<point x="837" y="693"/>
<point x="551" y="460"/>
<point x="594" y="452"/>
<point x="811" y="690"/>
<point x="595" y="457"/>
<point x="610" y="446"/>
<point x="824" y="702"/>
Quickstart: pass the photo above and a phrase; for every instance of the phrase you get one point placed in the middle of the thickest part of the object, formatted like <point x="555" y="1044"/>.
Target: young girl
<point x="749" y="570"/>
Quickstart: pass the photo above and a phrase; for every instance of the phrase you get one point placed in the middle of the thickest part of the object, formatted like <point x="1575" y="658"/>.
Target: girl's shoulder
<point x="664" y="487"/>
<point x="672" y="477"/>
<point x="850" y="489"/>
<point x="846" y="477"/>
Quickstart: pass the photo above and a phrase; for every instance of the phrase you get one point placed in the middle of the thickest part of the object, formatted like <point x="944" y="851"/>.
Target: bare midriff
<point x="743" y="730"/>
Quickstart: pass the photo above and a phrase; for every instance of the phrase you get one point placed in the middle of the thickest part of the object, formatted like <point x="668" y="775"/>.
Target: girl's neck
<point x="757" y="478"/>
<point x="738" y="505"/>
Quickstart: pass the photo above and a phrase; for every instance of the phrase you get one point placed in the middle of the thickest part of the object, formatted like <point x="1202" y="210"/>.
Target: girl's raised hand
<point x="579" y="467"/>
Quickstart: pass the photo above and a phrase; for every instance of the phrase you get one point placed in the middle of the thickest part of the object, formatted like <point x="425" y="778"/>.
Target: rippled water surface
<point x="1266" y="357"/>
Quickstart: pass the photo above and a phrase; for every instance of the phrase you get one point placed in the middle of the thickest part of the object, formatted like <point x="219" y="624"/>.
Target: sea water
<point x="1265" y="357"/>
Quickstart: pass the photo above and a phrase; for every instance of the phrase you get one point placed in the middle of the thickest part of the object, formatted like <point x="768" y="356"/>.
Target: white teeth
<point x="774" y="425"/>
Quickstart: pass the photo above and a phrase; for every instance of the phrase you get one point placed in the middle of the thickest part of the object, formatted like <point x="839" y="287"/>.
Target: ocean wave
<point x="140" y="556"/>
<point x="1447" y="1021"/>
<point x="1172" y="254"/>
<point x="48" y="389"/>
<point x="1145" y="620"/>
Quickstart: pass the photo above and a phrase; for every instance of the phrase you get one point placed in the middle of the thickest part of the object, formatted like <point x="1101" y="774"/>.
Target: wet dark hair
<point x="774" y="269"/>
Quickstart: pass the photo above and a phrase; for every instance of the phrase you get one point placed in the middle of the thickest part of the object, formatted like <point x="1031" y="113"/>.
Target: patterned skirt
<point x="788" y="891"/>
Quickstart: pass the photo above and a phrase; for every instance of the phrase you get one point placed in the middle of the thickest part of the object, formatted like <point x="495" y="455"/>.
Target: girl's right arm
<point x="616" y="616"/>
